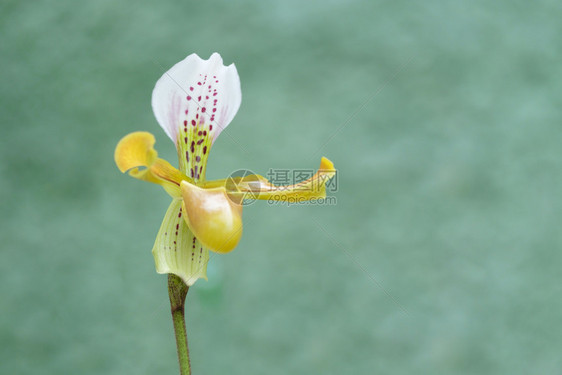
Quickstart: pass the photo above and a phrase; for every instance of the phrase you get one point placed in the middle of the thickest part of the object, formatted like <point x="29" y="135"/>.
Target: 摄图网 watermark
<point x="285" y="180"/>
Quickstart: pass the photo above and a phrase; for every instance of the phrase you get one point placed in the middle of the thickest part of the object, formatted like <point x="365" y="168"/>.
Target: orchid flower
<point x="194" y="102"/>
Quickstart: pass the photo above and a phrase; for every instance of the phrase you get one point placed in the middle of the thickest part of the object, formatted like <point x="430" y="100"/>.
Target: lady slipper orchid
<point x="194" y="102"/>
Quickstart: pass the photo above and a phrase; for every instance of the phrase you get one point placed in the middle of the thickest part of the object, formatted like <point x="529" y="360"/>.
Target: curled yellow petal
<point x="314" y="187"/>
<point x="135" y="153"/>
<point x="214" y="218"/>
<point x="258" y="187"/>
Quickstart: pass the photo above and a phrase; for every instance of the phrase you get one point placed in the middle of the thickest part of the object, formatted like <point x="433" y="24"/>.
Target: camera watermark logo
<point x="237" y="182"/>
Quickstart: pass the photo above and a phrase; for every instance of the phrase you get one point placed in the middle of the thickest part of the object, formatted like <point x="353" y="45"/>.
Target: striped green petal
<point x="177" y="250"/>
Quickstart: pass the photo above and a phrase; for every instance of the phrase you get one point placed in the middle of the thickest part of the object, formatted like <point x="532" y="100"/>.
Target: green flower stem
<point x="177" y="290"/>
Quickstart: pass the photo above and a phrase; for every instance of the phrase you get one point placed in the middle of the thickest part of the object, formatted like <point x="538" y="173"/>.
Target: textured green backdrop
<point x="442" y="255"/>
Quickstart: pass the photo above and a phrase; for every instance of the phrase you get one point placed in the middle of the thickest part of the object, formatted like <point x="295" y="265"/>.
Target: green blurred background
<point x="442" y="255"/>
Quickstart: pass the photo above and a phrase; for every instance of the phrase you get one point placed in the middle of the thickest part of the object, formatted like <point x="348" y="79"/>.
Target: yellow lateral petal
<point x="135" y="153"/>
<point x="212" y="216"/>
<point x="177" y="250"/>
<point x="258" y="187"/>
